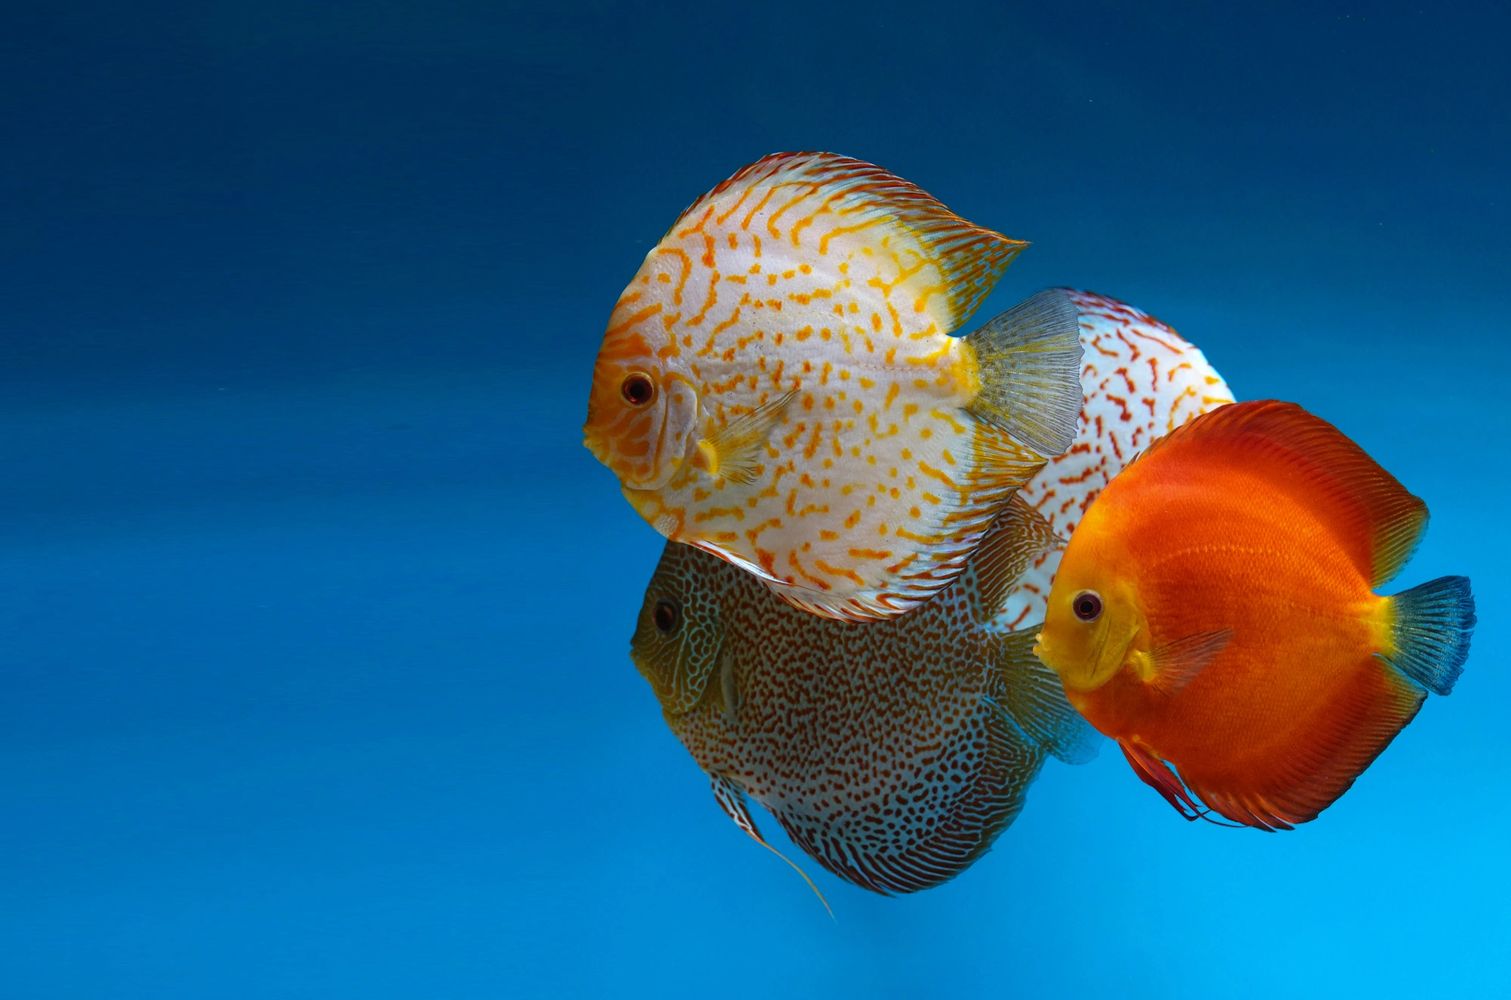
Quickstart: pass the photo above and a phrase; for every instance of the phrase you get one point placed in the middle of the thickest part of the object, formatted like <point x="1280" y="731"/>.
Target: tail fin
<point x="1433" y="624"/>
<point x="1033" y="698"/>
<point x="1030" y="361"/>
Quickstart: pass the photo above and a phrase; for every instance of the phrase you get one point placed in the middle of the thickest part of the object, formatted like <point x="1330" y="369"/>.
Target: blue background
<point x="314" y="612"/>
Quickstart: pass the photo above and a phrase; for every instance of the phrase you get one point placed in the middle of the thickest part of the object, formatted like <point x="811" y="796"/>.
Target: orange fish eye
<point x="1087" y="605"/>
<point x="637" y="389"/>
<point x="666" y="616"/>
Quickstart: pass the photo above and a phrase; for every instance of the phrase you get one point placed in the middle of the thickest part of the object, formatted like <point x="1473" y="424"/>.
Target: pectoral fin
<point x="1033" y="699"/>
<point x="734" y="450"/>
<point x="1175" y="663"/>
<point x="729" y="687"/>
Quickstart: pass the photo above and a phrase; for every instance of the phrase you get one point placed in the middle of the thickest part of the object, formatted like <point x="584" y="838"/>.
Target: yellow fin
<point x="786" y="196"/>
<point x="734" y="451"/>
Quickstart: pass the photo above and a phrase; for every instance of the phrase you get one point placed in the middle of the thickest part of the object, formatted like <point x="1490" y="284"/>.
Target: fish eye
<point x="1087" y="605"/>
<point x="637" y="389"/>
<point x="666" y="616"/>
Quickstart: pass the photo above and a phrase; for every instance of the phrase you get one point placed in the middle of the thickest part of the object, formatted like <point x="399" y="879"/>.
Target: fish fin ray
<point x="1431" y="633"/>
<point x="729" y="687"/>
<point x="1015" y="539"/>
<point x="938" y="567"/>
<point x="1033" y="699"/>
<point x="737" y="445"/>
<point x="1177" y="662"/>
<point x="1030" y="368"/>
<point x="795" y="185"/>
<point x="731" y="799"/>
<point x="1281" y="787"/>
<point x="1162" y="778"/>
<point x="1376" y="519"/>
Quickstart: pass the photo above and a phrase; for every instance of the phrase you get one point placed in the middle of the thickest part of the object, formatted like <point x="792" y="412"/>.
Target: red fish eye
<point x="637" y="389"/>
<point x="1087" y="605"/>
<point x="666" y="616"/>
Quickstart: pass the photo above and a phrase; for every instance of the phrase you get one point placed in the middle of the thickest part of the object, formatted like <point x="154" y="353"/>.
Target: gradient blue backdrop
<point x="314" y="612"/>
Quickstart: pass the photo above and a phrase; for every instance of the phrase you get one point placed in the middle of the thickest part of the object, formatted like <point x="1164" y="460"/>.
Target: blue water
<point x="314" y="612"/>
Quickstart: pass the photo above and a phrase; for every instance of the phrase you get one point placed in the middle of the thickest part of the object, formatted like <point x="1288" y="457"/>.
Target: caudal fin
<point x="1433" y="624"/>
<point x="1030" y="361"/>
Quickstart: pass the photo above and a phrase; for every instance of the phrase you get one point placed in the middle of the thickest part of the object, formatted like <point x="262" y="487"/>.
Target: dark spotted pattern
<point x="886" y="750"/>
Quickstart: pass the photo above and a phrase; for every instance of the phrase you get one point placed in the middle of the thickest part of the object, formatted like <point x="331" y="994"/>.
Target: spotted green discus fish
<point x="893" y="752"/>
<point x="778" y="385"/>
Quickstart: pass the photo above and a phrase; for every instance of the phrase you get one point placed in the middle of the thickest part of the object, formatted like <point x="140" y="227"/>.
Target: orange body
<point x="1215" y="614"/>
<point x="1299" y="676"/>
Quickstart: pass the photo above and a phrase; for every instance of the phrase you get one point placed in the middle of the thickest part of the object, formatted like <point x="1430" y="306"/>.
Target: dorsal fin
<point x="1375" y="518"/>
<point x="801" y="196"/>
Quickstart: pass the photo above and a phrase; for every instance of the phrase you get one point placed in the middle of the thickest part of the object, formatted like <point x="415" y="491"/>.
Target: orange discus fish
<point x="892" y="752"/>
<point x="1215" y="613"/>
<point x="779" y="386"/>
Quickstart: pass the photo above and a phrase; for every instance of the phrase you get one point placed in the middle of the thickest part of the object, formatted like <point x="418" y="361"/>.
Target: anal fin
<point x="1307" y="769"/>
<point x="731" y="799"/>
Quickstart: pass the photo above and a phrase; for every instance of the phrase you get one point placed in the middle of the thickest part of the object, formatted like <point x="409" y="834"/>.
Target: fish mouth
<point x="601" y="449"/>
<point x="594" y="443"/>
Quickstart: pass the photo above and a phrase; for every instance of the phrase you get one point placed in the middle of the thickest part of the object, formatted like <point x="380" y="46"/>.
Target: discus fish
<point x="1139" y="381"/>
<point x="892" y="752"/>
<point x="778" y="385"/>
<point x="1215" y="614"/>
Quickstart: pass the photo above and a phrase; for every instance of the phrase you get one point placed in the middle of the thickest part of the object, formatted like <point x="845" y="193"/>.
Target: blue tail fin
<point x="1433" y="625"/>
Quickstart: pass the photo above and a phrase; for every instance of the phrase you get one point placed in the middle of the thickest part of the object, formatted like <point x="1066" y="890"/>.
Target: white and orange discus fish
<point x="779" y="386"/>
<point x="1140" y="380"/>
<point x="894" y="753"/>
